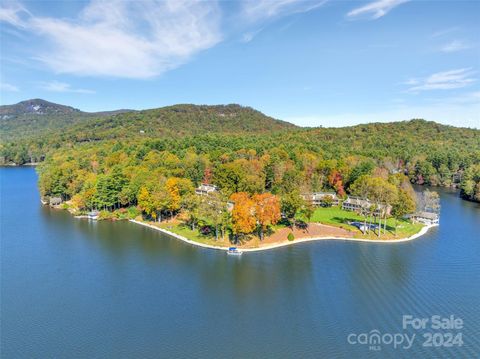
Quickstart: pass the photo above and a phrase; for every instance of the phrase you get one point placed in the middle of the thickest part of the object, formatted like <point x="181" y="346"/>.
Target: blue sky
<point x="329" y="63"/>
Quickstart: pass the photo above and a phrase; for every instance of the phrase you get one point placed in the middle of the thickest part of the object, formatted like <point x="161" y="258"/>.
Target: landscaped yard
<point x="194" y="235"/>
<point x="332" y="216"/>
<point x="335" y="216"/>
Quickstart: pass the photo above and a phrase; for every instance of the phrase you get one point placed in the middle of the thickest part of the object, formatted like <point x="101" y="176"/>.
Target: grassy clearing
<point x="335" y="216"/>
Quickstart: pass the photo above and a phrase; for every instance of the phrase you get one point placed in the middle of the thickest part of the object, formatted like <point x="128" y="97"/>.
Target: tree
<point x="470" y="183"/>
<point x="191" y="205"/>
<point x="432" y="201"/>
<point x="362" y="188"/>
<point x="290" y="203"/>
<point x="388" y="195"/>
<point x="213" y="211"/>
<point x="89" y="191"/>
<point x="146" y="202"/>
<point x="363" y="168"/>
<point x="243" y="214"/>
<point x="336" y="181"/>
<point x="105" y="197"/>
<point x="267" y="211"/>
<point x="405" y="204"/>
<point x="78" y="202"/>
<point x="327" y="201"/>
<point x="117" y="182"/>
<point x="161" y="201"/>
<point x="380" y="192"/>
<point x="173" y="192"/>
<point x="305" y="212"/>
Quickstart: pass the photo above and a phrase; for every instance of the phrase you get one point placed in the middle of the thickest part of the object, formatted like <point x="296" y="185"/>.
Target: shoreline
<point x="423" y="231"/>
<point x="28" y="164"/>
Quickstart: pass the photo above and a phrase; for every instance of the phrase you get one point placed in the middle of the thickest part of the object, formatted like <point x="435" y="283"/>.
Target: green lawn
<point x="335" y="216"/>
<point x="193" y="235"/>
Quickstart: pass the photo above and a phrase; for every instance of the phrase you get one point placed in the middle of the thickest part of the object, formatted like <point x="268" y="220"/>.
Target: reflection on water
<point x="77" y="288"/>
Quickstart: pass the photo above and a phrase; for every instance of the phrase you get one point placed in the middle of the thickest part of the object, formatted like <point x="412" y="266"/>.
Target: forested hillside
<point x="28" y="137"/>
<point x="298" y="160"/>
<point x="36" y="118"/>
<point x="241" y="149"/>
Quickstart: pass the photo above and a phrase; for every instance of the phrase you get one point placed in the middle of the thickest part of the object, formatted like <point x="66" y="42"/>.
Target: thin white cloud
<point x="56" y="86"/>
<point x="375" y="9"/>
<point x="130" y="39"/>
<point x="139" y="39"/>
<point x="445" y="80"/>
<point x="6" y="87"/>
<point x="254" y="10"/>
<point x="445" y="31"/>
<point x="455" y="45"/>
<point x="11" y="13"/>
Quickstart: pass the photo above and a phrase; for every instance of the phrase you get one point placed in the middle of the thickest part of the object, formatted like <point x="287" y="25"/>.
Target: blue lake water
<point x="71" y="288"/>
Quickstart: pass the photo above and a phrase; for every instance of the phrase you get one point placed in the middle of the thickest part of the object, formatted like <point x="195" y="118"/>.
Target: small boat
<point x="233" y="251"/>
<point x="93" y="215"/>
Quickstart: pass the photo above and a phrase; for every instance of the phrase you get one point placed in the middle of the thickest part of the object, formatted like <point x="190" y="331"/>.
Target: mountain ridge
<point x="33" y="118"/>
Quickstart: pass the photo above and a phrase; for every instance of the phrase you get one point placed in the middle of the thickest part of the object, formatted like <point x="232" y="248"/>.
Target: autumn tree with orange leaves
<point x="267" y="211"/>
<point x="243" y="214"/>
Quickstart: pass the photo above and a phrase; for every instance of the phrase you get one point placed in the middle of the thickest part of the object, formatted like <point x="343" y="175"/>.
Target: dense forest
<point x="28" y="136"/>
<point x="240" y="150"/>
<point x="35" y="119"/>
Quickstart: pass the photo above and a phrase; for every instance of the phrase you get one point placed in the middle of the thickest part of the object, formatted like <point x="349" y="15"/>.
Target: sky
<point x="313" y="63"/>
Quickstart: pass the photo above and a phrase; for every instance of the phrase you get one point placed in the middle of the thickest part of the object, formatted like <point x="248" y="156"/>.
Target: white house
<point x="319" y="198"/>
<point x="205" y="189"/>
<point x="356" y="203"/>
<point x="426" y="218"/>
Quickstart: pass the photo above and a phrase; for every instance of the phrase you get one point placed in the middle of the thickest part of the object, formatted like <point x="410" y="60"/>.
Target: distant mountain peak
<point x="36" y="107"/>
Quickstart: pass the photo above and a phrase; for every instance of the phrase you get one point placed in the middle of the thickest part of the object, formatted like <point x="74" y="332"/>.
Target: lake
<point x="73" y="288"/>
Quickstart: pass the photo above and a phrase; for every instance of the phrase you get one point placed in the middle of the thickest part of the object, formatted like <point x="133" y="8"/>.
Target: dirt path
<point x="314" y="230"/>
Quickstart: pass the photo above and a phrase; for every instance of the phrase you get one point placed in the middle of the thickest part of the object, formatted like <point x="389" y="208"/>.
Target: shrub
<point x="133" y="212"/>
<point x="290" y="237"/>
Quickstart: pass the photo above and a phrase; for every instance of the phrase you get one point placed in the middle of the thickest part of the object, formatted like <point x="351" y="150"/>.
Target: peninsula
<point x="230" y="175"/>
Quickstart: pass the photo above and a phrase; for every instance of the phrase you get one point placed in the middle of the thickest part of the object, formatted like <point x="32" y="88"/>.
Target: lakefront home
<point x="425" y="218"/>
<point x="205" y="189"/>
<point x="356" y="203"/>
<point x="321" y="198"/>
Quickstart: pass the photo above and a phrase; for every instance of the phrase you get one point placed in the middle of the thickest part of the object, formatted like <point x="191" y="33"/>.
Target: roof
<point x="207" y="187"/>
<point x="363" y="202"/>
<point x="358" y="201"/>
<point x="324" y="194"/>
<point x="427" y="215"/>
<point x="319" y="195"/>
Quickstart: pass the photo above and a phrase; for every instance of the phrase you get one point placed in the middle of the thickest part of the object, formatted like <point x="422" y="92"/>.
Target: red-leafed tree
<point x="336" y="181"/>
<point x="207" y="175"/>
